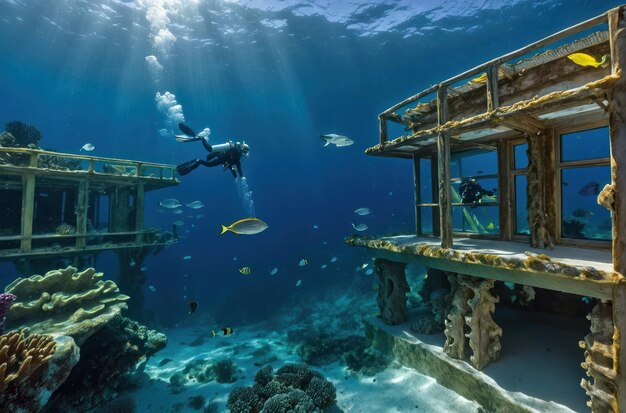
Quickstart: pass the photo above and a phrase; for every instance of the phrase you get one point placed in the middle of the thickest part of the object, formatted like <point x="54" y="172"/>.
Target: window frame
<point x="512" y="174"/>
<point x="559" y="166"/>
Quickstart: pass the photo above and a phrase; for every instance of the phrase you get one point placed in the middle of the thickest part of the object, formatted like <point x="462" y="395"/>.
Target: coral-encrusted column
<point x="472" y="306"/>
<point x="392" y="291"/>
<point x="484" y="335"/>
<point x="455" y="323"/>
<point x="617" y="127"/>
<point x="599" y="360"/>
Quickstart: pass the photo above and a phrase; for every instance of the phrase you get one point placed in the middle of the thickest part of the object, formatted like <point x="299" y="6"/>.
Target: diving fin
<point x="185" y="168"/>
<point x="185" y="138"/>
<point x="186" y="130"/>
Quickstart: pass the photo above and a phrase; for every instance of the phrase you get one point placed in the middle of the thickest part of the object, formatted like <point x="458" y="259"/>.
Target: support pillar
<point x="28" y="209"/>
<point x="82" y="205"/>
<point x="392" y="291"/>
<point x="139" y="197"/>
<point x="540" y="236"/>
<point x="443" y="173"/>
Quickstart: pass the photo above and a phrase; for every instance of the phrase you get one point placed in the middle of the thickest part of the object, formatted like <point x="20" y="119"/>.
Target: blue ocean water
<point x="275" y="74"/>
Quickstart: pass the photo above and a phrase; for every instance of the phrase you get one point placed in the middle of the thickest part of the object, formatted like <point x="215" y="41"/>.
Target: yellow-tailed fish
<point x="584" y="59"/>
<point x="246" y="226"/>
<point x="480" y="79"/>
<point x="245" y="270"/>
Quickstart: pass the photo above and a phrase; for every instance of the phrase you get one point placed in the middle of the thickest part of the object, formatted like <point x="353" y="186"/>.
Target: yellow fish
<point x="246" y="226"/>
<point x="583" y="59"/>
<point x="245" y="270"/>
<point x="480" y="79"/>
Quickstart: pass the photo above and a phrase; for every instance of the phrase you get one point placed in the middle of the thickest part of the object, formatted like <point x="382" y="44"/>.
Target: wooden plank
<point x="504" y="195"/>
<point x="417" y="190"/>
<point x="139" y="212"/>
<point x="382" y="125"/>
<point x="434" y="171"/>
<point x="28" y="209"/>
<point x="617" y="126"/>
<point x="82" y="206"/>
<point x="445" y="207"/>
<point x="492" y="88"/>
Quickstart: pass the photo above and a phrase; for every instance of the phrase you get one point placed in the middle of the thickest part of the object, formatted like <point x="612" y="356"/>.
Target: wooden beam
<point x="417" y="188"/>
<point x="382" y="126"/>
<point x="524" y="123"/>
<point x="617" y="125"/>
<point x="82" y="206"/>
<point x="28" y="209"/>
<point x="492" y="88"/>
<point x="443" y="166"/>
<point x="434" y="171"/>
<point x="139" y="212"/>
<point x="504" y="194"/>
<point x="619" y="343"/>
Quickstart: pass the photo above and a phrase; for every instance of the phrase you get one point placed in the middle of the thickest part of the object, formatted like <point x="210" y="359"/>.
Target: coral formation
<point x="294" y="388"/>
<point x="6" y="300"/>
<point x="22" y="355"/>
<point x="107" y="366"/>
<point x="65" y="229"/>
<point x="203" y="371"/>
<point x="392" y="291"/>
<point x="365" y="360"/>
<point x="31" y="368"/>
<point x="65" y="302"/>
<point x="319" y="349"/>
<point x="606" y="197"/>
<point x="26" y="136"/>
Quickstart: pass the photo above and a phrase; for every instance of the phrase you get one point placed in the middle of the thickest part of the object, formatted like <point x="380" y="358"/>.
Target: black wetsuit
<point x="231" y="157"/>
<point x="471" y="192"/>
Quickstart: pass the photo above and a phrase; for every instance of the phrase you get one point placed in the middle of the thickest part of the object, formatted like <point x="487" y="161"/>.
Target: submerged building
<point x="539" y="136"/>
<point x="60" y="209"/>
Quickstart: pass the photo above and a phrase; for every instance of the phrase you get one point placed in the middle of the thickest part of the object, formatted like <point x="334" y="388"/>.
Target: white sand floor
<point x="396" y="389"/>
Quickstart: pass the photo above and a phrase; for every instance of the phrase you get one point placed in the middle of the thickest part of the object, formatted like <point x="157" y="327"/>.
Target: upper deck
<point x="515" y="93"/>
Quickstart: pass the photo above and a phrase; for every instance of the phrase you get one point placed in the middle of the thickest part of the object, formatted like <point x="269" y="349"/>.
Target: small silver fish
<point x="178" y="223"/>
<point x="360" y="227"/>
<point x="132" y="262"/>
<point x="170" y="203"/>
<point x="363" y="211"/>
<point x="333" y="259"/>
<point x="187" y="257"/>
<point x="178" y="211"/>
<point x="299" y="283"/>
<point x="369" y="271"/>
<point x="246" y="226"/>
<point x="303" y="262"/>
<point x="274" y="271"/>
<point x="324" y="266"/>
<point x="195" y="205"/>
<point x="87" y="147"/>
<point x="152" y="288"/>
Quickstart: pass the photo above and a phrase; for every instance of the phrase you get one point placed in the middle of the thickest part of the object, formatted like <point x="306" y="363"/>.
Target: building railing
<point x="37" y="158"/>
<point x="491" y="69"/>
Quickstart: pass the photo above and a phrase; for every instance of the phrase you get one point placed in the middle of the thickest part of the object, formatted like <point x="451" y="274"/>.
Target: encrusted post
<point x="82" y="205"/>
<point x="540" y="236"/>
<point x="455" y="323"/>
<point x="599" y="360"/>
<point x="139" y="203"/>
<point x="392" y="291"/>
<point x="28" y="208"/>
<point x="418" y="194"/>
<point x="443" y="158"/>
<point x="617" y="127"/>
<point x="484" y="335"/>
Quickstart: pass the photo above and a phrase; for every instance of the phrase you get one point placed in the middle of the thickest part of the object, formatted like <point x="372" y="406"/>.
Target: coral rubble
<point x="203" y="371"/>
<point x="65" y="302"/>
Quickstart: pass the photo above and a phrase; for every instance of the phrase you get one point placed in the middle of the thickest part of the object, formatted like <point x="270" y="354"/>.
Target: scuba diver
<point x="472" y="193"/>
<point x="227" y="154"/>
